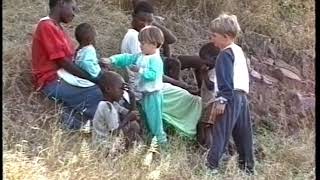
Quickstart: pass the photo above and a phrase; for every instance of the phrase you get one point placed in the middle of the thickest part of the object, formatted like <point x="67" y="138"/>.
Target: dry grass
<point x="35" y="148"/>
<point x="290" y="23"/>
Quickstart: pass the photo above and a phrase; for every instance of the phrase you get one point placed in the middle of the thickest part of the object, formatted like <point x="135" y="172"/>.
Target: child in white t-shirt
<point x="110" y="116"/>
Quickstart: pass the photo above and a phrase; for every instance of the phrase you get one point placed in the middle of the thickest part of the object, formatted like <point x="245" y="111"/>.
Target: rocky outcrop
<point x="282" y="86"/>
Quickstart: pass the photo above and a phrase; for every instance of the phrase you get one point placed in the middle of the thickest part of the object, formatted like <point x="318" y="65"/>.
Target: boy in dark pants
<point x="231" y="103"/>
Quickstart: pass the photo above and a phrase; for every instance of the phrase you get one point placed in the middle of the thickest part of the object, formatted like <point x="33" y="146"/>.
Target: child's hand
<point x="219" y="108"/>
<point x="133" y="104"/>
<point x="130" y="92"/>
<point x="126" y="87"/>
<point x="204" y="69"/>
<point x="134" y="116"/>
<point x="105" y="63"/>
<point x="105" y="60"/>
<point x="106" y="67"/>
<point x="134" y="68"/>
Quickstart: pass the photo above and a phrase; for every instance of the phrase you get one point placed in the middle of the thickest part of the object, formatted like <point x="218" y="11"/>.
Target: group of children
<point x="225" y="84"/>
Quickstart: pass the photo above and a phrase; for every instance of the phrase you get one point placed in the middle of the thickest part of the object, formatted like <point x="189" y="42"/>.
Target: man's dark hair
<point x="82" y="30"/>
<point x="53" y="3"/>
<point x="143" y="6"/>
<point x="209" y="51"/>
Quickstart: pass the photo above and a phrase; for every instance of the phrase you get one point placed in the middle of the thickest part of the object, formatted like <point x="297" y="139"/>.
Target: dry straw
<point x="34" y="146"/>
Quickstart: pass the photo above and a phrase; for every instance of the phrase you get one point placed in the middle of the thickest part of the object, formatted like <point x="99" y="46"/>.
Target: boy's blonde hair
<point x="225" y="24"/>
<point x="152" y="35"/>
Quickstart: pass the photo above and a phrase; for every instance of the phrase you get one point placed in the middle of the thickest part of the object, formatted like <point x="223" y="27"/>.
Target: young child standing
<point x="110" y="116"/>
<point x="148" y="66"/>
<point x="231" y="103"/>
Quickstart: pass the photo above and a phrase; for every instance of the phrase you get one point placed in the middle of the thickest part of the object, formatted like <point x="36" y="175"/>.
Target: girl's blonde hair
<point x="152" y="35"/>
<point x="225" y="24"/>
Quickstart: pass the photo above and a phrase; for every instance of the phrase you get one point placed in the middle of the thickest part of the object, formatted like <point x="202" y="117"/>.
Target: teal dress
<point x="149" y="82"/>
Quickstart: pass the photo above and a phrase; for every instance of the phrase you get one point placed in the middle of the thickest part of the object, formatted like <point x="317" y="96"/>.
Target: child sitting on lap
<point x="85" y="58"/>
<point x="110" y="116"/>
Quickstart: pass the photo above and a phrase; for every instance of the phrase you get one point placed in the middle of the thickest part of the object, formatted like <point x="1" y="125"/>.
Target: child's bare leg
<point x="131" y="132"/>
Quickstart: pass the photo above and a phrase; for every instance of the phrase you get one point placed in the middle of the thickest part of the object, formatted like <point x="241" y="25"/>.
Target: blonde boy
<point x="231" y="103"/>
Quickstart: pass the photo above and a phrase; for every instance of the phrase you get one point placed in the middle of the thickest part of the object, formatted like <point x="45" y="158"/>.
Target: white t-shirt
<point x="130" y="43"/>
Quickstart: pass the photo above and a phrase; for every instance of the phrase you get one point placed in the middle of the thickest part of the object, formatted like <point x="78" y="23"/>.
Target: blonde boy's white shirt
<point x="240" y="68"/>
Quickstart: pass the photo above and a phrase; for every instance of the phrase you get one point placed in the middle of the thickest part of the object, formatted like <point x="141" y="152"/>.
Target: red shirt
<point x="50" y="44"/>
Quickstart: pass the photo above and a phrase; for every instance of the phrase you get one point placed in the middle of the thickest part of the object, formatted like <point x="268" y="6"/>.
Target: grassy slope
<point x="34" y="148"/>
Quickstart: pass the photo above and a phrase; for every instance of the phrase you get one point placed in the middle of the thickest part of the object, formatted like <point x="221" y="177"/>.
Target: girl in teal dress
<point x="148" y="67"/>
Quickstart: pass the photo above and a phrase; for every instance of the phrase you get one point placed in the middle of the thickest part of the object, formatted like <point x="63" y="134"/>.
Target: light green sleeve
<point x="123" y="60"/>
<point x="154" y="71"/>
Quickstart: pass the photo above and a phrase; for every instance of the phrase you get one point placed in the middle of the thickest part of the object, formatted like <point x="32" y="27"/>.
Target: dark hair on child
<point x="82" y="30"/>
<point x="107" y="79"/>
<point x="53" y="3"/>
<point x="209" y="52"/>
<point x="143" y="6"/>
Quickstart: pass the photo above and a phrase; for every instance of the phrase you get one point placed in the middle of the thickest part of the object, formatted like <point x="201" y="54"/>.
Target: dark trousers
<point x="236" y="121"/>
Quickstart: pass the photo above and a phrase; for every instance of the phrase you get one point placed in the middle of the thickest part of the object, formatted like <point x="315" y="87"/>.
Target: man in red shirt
<point x="53" y="49"/>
